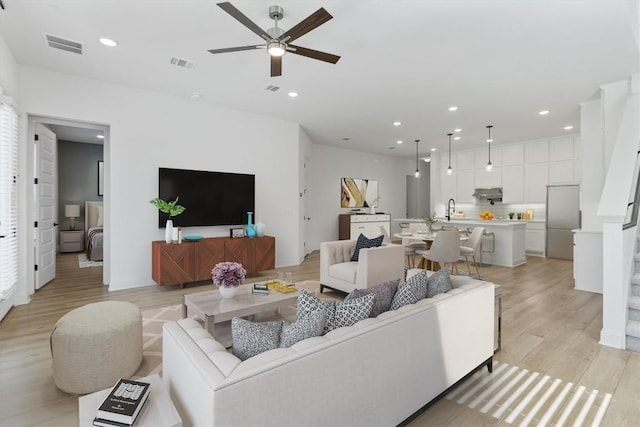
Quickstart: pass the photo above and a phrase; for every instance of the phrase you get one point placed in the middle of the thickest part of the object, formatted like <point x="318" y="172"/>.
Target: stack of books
<point x="260" y="289"/>
<point x="123" y="404"/>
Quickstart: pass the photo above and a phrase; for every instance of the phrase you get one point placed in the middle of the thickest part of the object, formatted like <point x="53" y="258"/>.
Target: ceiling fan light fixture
<point x="276" y="48"/>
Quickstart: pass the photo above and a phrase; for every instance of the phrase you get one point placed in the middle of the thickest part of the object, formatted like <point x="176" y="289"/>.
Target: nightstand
<point x="71" y="241"/>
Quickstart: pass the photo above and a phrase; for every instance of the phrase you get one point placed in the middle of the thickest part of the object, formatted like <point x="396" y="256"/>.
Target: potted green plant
<point x="171" y="208"/>
<point x="430" y="220"/>
<point x="511" y="215"/>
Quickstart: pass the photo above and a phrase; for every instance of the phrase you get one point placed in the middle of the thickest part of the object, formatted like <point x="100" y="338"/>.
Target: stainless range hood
<point x="490" y="194"/>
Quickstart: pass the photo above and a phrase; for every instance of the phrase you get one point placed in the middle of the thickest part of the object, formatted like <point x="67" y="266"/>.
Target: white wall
<point x="329" y="164"/>
<point x="8" y="78"/>
<point x="150" y="130"/>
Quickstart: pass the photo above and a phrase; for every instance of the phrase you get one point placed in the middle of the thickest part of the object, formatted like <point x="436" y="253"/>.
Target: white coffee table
<point x="158" y="411"/>
<point x="217" y="312"/>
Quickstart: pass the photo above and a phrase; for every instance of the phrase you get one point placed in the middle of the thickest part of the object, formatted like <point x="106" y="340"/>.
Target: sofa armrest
<point x="379" y="265"/>
<point x="334" y="253"/>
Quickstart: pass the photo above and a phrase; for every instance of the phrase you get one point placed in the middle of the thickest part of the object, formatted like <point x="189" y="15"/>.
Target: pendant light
<point x="489" y="166"/>
<point x="417" y="174"/>
<point x="449" y="170"/>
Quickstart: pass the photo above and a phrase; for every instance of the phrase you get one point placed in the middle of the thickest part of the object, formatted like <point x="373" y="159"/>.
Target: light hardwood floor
<point x="548" y="327"/>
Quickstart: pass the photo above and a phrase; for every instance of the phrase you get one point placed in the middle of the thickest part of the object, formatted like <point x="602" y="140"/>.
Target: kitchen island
<point x="506" y="247"/>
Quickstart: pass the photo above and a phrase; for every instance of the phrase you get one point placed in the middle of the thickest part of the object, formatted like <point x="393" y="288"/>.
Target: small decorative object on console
<point x="237" y="232"/>
<point x="171" y="208"/>
<point x="251" y="229"/>
<point x="123" y="404"/>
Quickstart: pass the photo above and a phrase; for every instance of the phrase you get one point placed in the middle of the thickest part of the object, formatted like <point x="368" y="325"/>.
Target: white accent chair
<point x="374" y="265"/>
<point x="472" y="247"/>
<point x="445" y="249"/>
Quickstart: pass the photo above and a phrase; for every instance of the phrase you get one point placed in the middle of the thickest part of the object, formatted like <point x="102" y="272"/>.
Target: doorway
<point x="68" y="157"/>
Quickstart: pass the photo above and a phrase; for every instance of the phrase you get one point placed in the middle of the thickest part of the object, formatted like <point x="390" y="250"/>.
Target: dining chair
<point x="411" y="247"/>
<point x="472" y="247"/>
<point x="445" y="249"/>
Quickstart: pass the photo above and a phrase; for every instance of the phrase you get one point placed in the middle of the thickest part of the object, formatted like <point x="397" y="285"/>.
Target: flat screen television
<point x="210" y="198"/>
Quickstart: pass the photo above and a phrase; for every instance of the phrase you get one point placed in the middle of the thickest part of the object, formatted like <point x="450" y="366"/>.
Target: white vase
<point x="260" y="228"/>
<point x="228" y="291"/>
<point x="168" y="232"/>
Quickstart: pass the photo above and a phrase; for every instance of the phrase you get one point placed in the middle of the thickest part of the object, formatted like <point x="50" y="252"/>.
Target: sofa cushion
<point x="311" y="325"/>
<point x="413" y="290"/>
<point x="339" y="313"/>
<point x="251" y="338"/>
<point x="438" y="283"/>
<point x="364" y="243"/>
<point x="344" y="271"/>
<point x="384" y="293"/>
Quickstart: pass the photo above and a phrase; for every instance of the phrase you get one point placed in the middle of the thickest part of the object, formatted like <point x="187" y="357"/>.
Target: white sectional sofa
<point x="376" y="373"/>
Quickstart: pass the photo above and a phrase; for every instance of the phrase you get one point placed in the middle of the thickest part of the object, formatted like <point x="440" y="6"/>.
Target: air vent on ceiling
<point x="272" y="88"/>
<point x="184" y="63"/>
<point x="64" y="44"/>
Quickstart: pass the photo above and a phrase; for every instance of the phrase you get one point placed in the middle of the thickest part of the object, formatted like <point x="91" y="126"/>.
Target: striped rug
<point x="522" y="398"/>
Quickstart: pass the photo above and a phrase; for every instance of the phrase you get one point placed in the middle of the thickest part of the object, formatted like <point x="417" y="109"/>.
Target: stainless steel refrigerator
<point x="563" y="215"/>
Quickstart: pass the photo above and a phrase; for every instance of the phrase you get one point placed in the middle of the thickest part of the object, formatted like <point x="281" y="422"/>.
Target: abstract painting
<point x="358" y="193"/>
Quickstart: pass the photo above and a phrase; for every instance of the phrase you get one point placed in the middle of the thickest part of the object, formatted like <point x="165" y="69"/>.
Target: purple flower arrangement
<point x="228" y="274"/>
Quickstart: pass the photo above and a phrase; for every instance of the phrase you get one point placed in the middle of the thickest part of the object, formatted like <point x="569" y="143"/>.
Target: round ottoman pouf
<point x="95" y="345"/>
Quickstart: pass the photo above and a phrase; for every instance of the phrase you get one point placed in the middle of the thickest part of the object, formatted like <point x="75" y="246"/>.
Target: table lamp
<point x="72" y="212"/>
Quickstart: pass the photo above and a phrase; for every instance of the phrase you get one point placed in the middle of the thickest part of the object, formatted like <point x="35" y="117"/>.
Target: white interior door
<point x="46" y="205"/>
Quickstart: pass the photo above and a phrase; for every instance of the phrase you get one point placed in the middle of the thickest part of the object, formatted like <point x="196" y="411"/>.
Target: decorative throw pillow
<point x="438" y="283"/>
<point x="364" y="243"/>
<point x="339" y="313"/>
<point x="348" y="313"/>
<point x="384" y="293"/>
<point x="251" y="338"/>
<point x="311" y="325"/>
<point x="413" y="290"/>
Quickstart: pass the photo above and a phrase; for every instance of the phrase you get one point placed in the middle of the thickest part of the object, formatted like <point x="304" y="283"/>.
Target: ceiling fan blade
<point x="236" y="49"/>
<point x="314" y="54"/>
<point x="276" y="66"/>
<point x="242" y="18"/>
<point x="314" y="20"/>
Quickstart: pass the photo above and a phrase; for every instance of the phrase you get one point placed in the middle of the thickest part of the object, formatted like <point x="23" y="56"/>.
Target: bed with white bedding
<point x="93" y="229"/>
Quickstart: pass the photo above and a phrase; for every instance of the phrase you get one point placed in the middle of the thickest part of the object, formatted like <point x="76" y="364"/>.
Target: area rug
<point x="83" y="262"/>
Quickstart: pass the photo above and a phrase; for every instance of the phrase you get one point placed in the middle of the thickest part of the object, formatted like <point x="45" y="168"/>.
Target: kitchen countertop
<point x="485" y="223"/>
<point x="469" y="219"/>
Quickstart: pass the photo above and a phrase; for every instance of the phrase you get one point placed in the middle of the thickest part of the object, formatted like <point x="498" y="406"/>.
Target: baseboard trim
<point x="611" y="339"/>
<point x="488" y="363"/>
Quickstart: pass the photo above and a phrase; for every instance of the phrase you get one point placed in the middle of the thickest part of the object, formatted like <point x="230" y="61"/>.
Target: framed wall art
<point x="358" y="193"/>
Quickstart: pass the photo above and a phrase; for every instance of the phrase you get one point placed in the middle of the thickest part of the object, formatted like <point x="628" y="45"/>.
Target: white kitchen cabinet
<point x="561" y="172"/>
<point x="513" y="184"/>
<point x="512" y="155"/>
<point x="482" y="157"/>
<point x="536" y="152"/>
<point x="536" y="177"/>
<point x="561" y="149"/>
<point x="465" y="160"/>
<point x="465" y="186"/>
<point x="535" y="238"/>
<point x="484" y="179"/>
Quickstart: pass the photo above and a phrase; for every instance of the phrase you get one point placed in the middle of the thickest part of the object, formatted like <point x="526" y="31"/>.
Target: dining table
<point x="427" y="237"/>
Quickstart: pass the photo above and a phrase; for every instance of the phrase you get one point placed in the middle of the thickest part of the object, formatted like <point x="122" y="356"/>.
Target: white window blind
<point x="8" y="199"/>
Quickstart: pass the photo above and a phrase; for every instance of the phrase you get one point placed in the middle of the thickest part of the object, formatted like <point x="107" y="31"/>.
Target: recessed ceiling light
<point x="195" y="95"/>
<point x="293" y="94"/>
<point x="568" y="127"/>
<point x="457" y="138"/>
<point x="397" y="123"/>
<point x="453" y="108"/>
<point x="108" y="42"/>
<point x="427" y="159"/>
<point x="433" y="149"/>
<point x="399" y="141"/>
<point x="543" y="112"/>
<point x="100" y="136"/>
<point x="346" y="139"/>
<point x="457" y="130"/>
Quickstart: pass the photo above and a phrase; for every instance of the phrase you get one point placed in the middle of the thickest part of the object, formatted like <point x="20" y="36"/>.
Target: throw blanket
<point x="91" y="238"/>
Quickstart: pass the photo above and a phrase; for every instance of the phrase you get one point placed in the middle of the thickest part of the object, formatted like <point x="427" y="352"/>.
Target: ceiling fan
<point x="278" y="41"/>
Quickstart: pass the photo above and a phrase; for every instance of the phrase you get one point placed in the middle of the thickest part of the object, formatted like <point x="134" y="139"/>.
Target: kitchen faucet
<point x="450" y="204"/>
